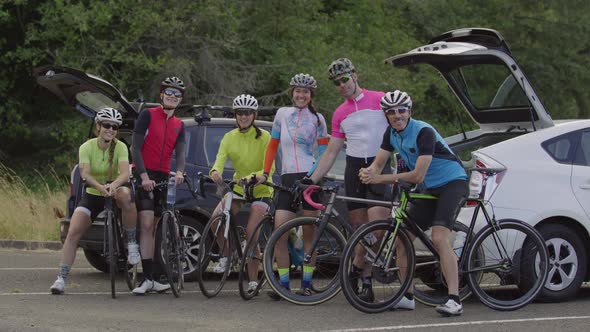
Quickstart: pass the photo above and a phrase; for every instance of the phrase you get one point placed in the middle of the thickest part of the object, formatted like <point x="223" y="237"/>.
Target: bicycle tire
<point x="327" y="254"/>
<point x="112" y="256"/>
<point x="388" y="288"/>
<point x="253" y="256"/>
<point x="432" y="289"/>
<point x="171" y="243"/>
<point x="502" y="285"/>
<point x="210" y="252"/>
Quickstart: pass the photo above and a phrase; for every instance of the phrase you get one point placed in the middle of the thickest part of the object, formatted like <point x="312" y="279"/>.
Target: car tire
<point x="193" y="229"/>
<point x="97" y="260"/>
<point x="565" y="242"/>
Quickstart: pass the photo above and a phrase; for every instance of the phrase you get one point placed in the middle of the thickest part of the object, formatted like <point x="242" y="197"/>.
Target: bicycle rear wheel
<point x="215" y="249"/>
<point x="172" y="244"/>
<point x="430" y="287"/>
<point x="324" y="279"/>
<point x="251" y="268"/>
<point x="112" y="255"/>
<point x="514" y="266"/>
<point x="387" y="265"/>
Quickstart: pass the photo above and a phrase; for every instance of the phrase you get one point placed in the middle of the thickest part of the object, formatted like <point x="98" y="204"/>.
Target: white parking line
<point x="439" y="325"/>
<point x="42" y="268"/>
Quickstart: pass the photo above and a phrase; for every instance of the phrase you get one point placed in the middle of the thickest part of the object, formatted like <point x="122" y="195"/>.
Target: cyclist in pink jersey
<point x="361" y="123"/>
<point x="299" y="131"/>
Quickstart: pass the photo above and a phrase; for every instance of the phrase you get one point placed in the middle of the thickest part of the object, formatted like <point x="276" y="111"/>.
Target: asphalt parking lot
<point x="26" y="305"/>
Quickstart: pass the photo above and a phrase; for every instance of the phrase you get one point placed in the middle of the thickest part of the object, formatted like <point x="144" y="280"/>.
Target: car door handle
<point x="585" y="186"/>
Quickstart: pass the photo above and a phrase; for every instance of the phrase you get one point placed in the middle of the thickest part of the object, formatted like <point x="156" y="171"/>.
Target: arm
<point x="217" y="170"/>
<point x="323" y="140"/>
<point x="122" y="156"/>
<point x="328" y="158"/>
<point x="139" y="130"/>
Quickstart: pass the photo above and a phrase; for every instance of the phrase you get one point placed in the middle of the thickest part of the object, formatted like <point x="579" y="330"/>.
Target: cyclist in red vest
<point x="156" y="135"/>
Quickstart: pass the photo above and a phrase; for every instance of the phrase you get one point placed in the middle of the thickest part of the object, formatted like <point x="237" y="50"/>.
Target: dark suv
<point x="88" y="94"/>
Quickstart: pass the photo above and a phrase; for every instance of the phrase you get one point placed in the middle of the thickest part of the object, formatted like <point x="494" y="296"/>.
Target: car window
<point x="583" y="151"/>
<point x="97" y="101"/>
<point x="211" y="142"/>
<point x="561" y="148"/>
<point x="480" y="84"/>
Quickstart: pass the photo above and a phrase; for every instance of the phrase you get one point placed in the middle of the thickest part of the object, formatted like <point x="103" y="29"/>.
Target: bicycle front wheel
<point x="173" y="247"/>
<point x="389" y="261"/>
<point x="215" y="256"/>
<point x="322" y="270"/>
<point x="430" y="286"/>
<point x="513" y="268"/>
<point x="251" y="269"/>
<point x="112" y="255"/>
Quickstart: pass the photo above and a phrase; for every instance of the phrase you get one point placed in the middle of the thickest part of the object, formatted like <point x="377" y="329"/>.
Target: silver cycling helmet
<point x="245" y="101"/>
<point x="172" y="82"/>
<point x="303" y="81"/>
<point x="395" y="98"/>
<point x="340" y="66"/>
<point x="109" y="114"/>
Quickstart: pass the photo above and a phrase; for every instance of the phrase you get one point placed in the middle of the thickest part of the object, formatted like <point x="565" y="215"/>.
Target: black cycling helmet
<point x="172" y="82"/>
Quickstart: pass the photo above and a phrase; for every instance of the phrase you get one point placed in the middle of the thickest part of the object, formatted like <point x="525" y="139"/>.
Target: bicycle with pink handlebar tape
<point x="320" y="256"/>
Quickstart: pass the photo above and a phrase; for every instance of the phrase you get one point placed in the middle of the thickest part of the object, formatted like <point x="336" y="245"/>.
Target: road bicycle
<point x="504" y="264"/>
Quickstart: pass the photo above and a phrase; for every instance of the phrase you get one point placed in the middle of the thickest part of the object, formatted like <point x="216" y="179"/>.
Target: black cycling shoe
<point x="304" y="291"/>
<point x="367" y="293"/>
<point x="353" y="278"/>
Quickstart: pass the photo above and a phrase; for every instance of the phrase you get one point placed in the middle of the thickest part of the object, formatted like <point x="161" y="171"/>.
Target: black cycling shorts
<point x="443" y="211"/>
<point x="150" y="200"/>
<point x="94" y="203"/>
<point x="355" y="188"/>
<point x="285" y="199"/>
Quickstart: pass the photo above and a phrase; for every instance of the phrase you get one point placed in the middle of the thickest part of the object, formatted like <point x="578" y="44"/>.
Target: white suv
<point x="546" y="181"/>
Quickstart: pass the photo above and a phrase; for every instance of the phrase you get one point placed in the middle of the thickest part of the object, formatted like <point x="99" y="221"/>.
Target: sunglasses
<point x="401" y="110"/>
<point x="244" y="112"/>
<point x="342" y="80"/>
<point x="174" y="93"/>
<point x="109" y="126"/>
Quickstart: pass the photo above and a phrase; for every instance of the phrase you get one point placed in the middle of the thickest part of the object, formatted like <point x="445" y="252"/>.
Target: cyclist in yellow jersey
<point x="245" y="146"/>
<point x="104" y="164"/>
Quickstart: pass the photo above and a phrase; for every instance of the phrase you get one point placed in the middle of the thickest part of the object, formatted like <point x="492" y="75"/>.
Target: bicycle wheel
<point x="513" y="269"/>
<point x="324" y="280"/>
<point x="112" y="255"/>
<point x="430" y="287"/>
<point x="215" y="256"/>
<point x="387" y="265"/>
<point x="251" y="268"/>
<point x="172" y="245"/>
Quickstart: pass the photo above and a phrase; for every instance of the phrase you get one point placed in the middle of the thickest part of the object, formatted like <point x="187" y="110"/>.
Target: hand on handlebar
<point x="216" y="177"/>
<point x="367" y="175"/>
<point x="178" y="178"/>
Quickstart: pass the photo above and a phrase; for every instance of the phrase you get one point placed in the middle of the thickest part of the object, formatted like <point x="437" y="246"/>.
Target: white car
<point x="546" y="181"/>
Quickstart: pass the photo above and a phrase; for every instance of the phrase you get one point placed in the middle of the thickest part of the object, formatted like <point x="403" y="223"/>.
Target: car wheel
<point x="192" y="230"/>
<point x="96" y="259"/>
<point x="567" y="263"/>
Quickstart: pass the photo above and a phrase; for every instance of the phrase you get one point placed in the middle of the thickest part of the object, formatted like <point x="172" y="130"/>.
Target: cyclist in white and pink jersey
<point x="361" y="123"/>
<point x="300" y="132"/>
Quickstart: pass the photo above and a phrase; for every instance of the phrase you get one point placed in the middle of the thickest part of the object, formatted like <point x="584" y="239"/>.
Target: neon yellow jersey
<point x="246" y="153"/>
<point x="90" y="153"/>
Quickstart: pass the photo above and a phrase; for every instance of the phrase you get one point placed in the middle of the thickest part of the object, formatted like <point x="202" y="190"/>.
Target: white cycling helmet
<point x="395" y="98"/>
<point x="340" y="66"/>
<point x="245" y="101"/>
<point x="109" y="114"/>
<point x="303" y="81"/>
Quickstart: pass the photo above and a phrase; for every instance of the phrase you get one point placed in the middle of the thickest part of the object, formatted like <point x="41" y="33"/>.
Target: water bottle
<point x="171" y="197"/>
<point x="459" y="243"/>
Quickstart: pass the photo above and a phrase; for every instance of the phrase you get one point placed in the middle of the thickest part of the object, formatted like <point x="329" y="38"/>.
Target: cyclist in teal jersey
<point x="434" y="164"/>
<point x="299" y="131"/>
<point x="245" y="147"/>
<point x="104" y="164"/>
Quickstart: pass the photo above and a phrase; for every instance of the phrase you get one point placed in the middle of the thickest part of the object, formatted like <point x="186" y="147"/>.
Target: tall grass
<point x="30" y="210"/>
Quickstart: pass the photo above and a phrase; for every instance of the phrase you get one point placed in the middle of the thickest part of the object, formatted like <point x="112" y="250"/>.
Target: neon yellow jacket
<point x="246" y="153"/>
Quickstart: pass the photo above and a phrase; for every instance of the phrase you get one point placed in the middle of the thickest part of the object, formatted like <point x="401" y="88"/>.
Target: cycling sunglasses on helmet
<point x="400" y="110"/>
<point x="109" y="126"/>
<point x="171" y="92"/>
<point x="341" y="80"/>
<point x="244" y="112"/>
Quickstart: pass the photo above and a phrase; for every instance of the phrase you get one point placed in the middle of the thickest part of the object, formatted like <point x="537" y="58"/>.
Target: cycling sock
<point x="410" y="296"/>
<point x="455" y="298"/>
<point x="366" y="280"/>
<point x="131" y="235"/>
<point x="284" y="275"/>
<point x="307" y="275"/>
<point x="146" y="264"/>
<point x="64" y="271"/>
<point x="356" y="269"/>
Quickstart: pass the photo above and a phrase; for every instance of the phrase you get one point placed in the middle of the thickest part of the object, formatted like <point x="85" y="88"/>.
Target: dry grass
<point x="26" y="213"/>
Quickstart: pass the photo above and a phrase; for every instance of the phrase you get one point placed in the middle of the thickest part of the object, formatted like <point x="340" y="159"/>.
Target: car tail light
<point x="476" y="183"/>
